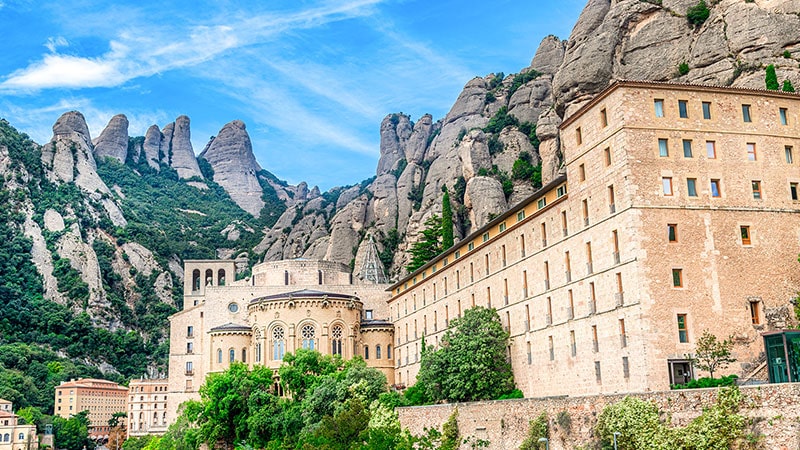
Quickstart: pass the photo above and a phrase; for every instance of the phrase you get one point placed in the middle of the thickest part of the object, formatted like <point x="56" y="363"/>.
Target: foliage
<point x="787" y="54"/>
<point x="505" y="182"/>
<point x="500" y="120"/>
<point x="429" y="246"/>
<point x="537" y="429"/>
<point x="712" y="354"/>
<point x="698" y="13"/>
<point x="787" y="86"/>
<point x="471" y="363"/>
<point x="72" y="433"/>
<point x="447" y="220"/>
<point x="304" y="369"/>
<point x="460" y="189"/>
<point x="495" y="145"/>
<point x="521" y="79"/>
<point x="450" y="433"/>
<point x="564" y="421"/>
<point x="496" y="80"/>
<point x="707" y="382"/>
<point x="524" y="170"/>
<point x="683" y="68"/>
<point x="461" y="133"/>
<point x="516" y="393"/>
<point x="401" y="166"/>
<point x="490" y="98"/>
<point x="390" y="244"/>
<point x="529" y="129"/>
<point x="771" y="79"/>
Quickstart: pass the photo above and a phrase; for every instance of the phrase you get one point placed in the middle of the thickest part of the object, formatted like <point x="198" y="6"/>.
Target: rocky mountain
<point x="105" y="223"/>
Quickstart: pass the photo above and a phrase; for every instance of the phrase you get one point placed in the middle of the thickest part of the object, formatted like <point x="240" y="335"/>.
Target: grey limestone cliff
<point x="113" y="141"/>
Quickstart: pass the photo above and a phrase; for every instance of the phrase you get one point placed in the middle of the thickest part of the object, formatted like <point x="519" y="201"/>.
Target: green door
<point x="776" y="359"/>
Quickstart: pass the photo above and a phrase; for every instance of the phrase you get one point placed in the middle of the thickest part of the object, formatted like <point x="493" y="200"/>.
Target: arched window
<point x="244" y="355"/>
<point x="378" y="351"/>
<point x="155" y="418"/>
<point x="231" y="355"/>
<point x="196" y="280"/>
<point x="164" y="418"/>
<point x="286" y="277"/>
<point x="366" y="352"/>
<point x="221" y="277"/>
<point x="219" y="355"/>
<point x="209" y="277"/>
<point x="6" y="437"/>
<point x="319" y="277"/>
<point x="141" y="417"/>
<point x="336" y="340"/>
<point x="389" y="351"/>
<point x="308" y="333"/>
<point x="258" y="352"/>
<point x="278" y="343"/>
<point x="22" y="436"/>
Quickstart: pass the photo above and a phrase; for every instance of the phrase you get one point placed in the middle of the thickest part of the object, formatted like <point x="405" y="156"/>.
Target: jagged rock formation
<point x="178" y="145"/>
<point x="153" y="147"/>
<point x="113" y="141"/>
<point x="230" y="154"/>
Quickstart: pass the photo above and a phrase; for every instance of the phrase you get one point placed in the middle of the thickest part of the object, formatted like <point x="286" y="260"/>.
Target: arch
<point x="278" y="343"/>
<point x="164" y="418"/>
<point x="21" y="436"/>
<point x="196" y="280"/>
<point x="378" y="351"/>
<point x="244" y="355"/>
<point x="221" y="277"/>
<point x="308" y="334"/>
<point x="231" y="355"/>
<point x="337" y="335"/>
<point x="219" y="356"/>
<point x="209" y="281"/>
<point x="6" y="437"/>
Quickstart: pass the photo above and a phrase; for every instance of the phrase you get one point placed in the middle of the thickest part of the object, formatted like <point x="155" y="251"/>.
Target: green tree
<point x="471" y="363"/>
<point x="72" y="433"/>
<point x="712" y="354"/>
<point x="787" y="86"/>
<point x="771" y="78"/>
<point x="429" y="246"/>
<point x="304" y="369"/>
<point x="698" y="13"/>
<point x="447" y="220"/>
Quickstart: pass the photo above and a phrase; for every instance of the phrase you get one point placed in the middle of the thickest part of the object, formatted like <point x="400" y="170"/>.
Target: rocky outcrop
<point x="113" y="141"/>
<point x="180" y="154"/>
<point x="230" y="154"/>
<point x="153" y="147"/>
<point x="396" y="129"/>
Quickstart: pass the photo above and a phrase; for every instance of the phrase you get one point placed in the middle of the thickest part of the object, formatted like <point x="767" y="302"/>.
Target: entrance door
<point x="776" y="359"/>
<point x="680" y="372"/>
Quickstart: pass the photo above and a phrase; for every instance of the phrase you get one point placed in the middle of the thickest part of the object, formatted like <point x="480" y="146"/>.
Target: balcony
<point x="585" y="221"/>
<point x="589" y="269"/>
<point x="547" y="285"/>
<point x="189" y="373"/>
<point x="592" y="306"/>
<point x="570" y="313"/>
<point x="619" y="299"/>
<point x="568" y="275"/>
<point x="548" y="319"/>
<point x="565" y="232"/>
<point x="612" y="208"/>
<point x="616" y="257"/>
<point x="623" y="340"/>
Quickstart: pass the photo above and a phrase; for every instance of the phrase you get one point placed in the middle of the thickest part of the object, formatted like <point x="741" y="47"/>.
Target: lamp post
<point x="546" y="443"/>
<point x="616" y="433"/>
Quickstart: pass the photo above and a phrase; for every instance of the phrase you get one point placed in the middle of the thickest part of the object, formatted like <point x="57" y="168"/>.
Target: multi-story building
<point x="101" y="398"/>
<point x="677" y="212"/>
<point x="13" y="435"/>
<point x="147" y="406"/>
<point x="282" y="307"/>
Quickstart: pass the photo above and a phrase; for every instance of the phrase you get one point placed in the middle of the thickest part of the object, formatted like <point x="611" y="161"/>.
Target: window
<point x="691" y="187"/>
<point x="550" y="345"/>
<point x="677" y="278"/>
<point x="659" y="107"/>
<point x="711" y="150"/>
<point x="520" y="215"/>
<point x="744" y="230"/>
<point x="793" y="190"/>
<point x="578" y="136"/>
<point x="751" y="151"/>
<point x="189" y="348"/>
<point x="190" y="331"/>
<point x="485" y="237"/>
<point x="377" y="352"/>
<point x="244" y="355"/>
<point x="471" y="246"/>
<point x="672" y="232"/>
<point x="755" y="314"/>
<point x="707" y="110"/>
<point x="502" y="227"/>
<point x="687" y="148"/>
<point x="603" y="118"/>
<point x="607" y="156"/>
<point x="368" y="314"/>
<point x="582" y="172"/>
<point x="597" y="373"/>
<point x="626" y="371"/>
<point x="219" y="356"/>
<point x="715" y="189"/>
<point x="683" y="332"/>
<point x="337" y="333"/>
<point x="782" y="114"/>
<point x="788" y="151"/>
<point x="663" y="148"/>
<point x="611" y="200"/>
<point x="683" y="109"/>
<point x="666" y="184"/>
<point x="389" y="351"/>
<point x="308" y="334"/>
<point x="366" y="352"/>
<point x="189" y="368"/>
<point x="746" y="113"/>
<point x="561" y="191"/>
<point x="572" y="345"/>
<point x="756" y="189"/>
<point x="585" y="210"/>
<point x="279" y="343"/>
<point x="541" y="203"/>
<point x="231" y="355"/>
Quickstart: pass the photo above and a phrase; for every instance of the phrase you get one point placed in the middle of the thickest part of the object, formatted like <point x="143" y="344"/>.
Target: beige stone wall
<point x="301" y="272"/>
<point x="147" y="406"/>
<point x="20" y="437"/>
<point x="773" y="409"/>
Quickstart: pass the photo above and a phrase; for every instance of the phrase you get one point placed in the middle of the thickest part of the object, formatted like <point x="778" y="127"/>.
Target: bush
<point x="787" y="86"/>
<point x="537" y="429"/>
<point x="697" y="14"/>
<point x="516" y="393"/>
<point x="787" y="54"/>
<point x="771" y="78"/>
<point x="683" y="68"/>
<point x="707" y="382"/>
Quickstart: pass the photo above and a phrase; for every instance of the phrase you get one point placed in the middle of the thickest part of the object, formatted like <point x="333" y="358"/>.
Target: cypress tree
<point x="772" y="79"/>
<point x="447" y="220"/>
<point x="787" y="86"/>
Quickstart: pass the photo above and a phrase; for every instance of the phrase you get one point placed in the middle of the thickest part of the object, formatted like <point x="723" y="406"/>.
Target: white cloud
<point x="65" y="71"/>
<point x="53" y="43"/>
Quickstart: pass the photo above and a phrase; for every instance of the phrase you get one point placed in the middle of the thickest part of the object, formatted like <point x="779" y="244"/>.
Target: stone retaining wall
<point x="774" y="411"/>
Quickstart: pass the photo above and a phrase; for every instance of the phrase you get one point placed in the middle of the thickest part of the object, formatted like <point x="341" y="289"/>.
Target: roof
<point x="93" y="383"/>
<point x="615" y="84"/>
<point x="375" y="323"/>
<point x="230" y="326"/>
<point x="7" y="414"/>
<point x="305" y="293"/>
<point x="2" y="400"/>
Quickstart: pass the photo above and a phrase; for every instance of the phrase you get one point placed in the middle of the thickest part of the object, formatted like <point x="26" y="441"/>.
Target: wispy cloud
<point x="55" y="42"/>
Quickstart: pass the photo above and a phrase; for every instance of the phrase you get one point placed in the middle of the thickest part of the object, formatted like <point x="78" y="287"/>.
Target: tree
<point x="698" y="13"/>
<point x="447" y="220"/>
<point x="712" y="354"/>
<point x="304" y="369"/>
<point x="772" y="78"/>
<point x="72" y="433"/>
<point x="471" y="363"/>
<point x="429" y="246"/>
<point x="787" y="85"/>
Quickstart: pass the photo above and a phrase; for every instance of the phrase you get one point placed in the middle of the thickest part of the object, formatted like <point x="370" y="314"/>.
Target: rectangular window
<point x="659" y="107"/>
<point x="782" y="113"/>
<point x="485" y="237"/>
<point x="585" y="210"/>
<point x="691" y="187"/>
<point x="789" y="157"/>
<point x="623" y="336"/>
<point x="626" y="371"/>
<point x="595" y="341"/>
<point x="663" y="148"/>
<point x="572" y="345"/>
<point x="550" y="345"/>
<point x="561" y="191"/>
<point x="564" y="228"/>
<point x="744" y="230"/>
<point x="541" y="203"/>
<point x="520" y="215"/>
<point x="582" y="172"/>
<point x="502" y="227"/>
<point x="666" y="184"/>
<point x="603" y="118"/>
<point x="607" y="156"/>
<point x="190" y="331"/>
<point x="471" y="246"/>
<point x="597" y="373"/>
<point x="793" y="190"/>
<point x="683" y="109"/>
<point x="687" y="148"/>
<point x="707" y="110"/>
<point x="751" y="151"/>
<point x="755" y="314"/>
<point x="612" y="200"/>
<point x="746" y="113"/>
<point x="716" y="191"/>
<point x="672" y="232"/>
<point x="578" y="136"/>
<point x="711" y="150"/>
<point x="677" y="278"/>
<point x="683" y="332"/>
<point x="756" y="189"/>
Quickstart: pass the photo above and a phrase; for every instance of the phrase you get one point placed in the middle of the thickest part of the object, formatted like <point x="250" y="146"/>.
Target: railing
<point x="189" y="372"/>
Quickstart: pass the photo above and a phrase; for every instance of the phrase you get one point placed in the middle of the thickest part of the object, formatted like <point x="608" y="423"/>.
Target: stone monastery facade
<point x="677" y="212"/>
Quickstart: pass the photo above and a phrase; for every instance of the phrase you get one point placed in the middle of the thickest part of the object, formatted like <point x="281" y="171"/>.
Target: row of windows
<point x="155" y="388"/>
<point x="687" y="145"/>
<point x="706" y="107"/>
<point x="715" y="188"/>
<point x="7" y="437"/>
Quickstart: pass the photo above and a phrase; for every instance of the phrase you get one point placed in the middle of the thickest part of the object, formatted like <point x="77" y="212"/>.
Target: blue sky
<point x="311" y="79"/>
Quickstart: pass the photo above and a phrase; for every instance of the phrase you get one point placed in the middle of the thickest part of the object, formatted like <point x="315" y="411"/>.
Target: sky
<point x="312" y="80"/>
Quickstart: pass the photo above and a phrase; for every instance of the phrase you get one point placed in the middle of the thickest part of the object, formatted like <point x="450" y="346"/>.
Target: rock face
<point x="153" y="146"/>
<point x="235" y="168"/>
<point x="179" y="154"/>
<point x="113" y="141"/>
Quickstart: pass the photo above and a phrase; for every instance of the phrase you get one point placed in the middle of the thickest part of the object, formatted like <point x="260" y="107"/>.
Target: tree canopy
<point x="429" y="246"/>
